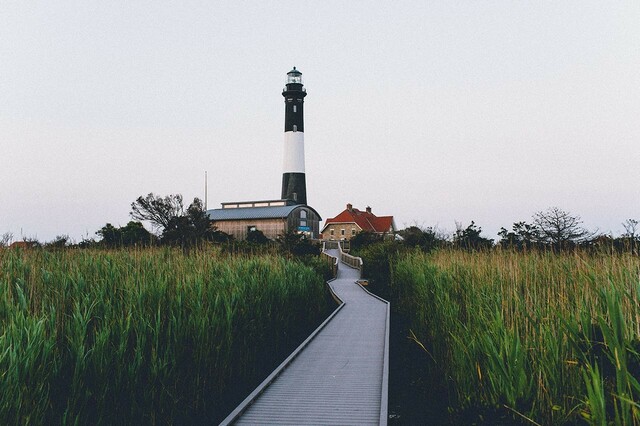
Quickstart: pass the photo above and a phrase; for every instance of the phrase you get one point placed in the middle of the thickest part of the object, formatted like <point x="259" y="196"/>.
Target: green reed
<point x="144" y="336"/>
<point x="553" y="337"/>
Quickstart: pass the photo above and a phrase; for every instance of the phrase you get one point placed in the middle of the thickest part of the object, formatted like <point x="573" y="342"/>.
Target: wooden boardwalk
<point x="339" y="375"/>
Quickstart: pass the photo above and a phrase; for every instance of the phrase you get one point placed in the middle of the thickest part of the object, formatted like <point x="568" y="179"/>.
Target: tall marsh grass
<point x="144" y="336"/>
<point x="552" y="337"/>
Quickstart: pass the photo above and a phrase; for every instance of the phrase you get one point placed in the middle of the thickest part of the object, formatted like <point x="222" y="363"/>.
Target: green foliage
<point x="595" y="403"/>
<point x="522" y="236"/>
<point x="144" y="336"/>
<point x="296" y="244"/>
<point x="469" y="238"/>
<point x="606" y="341"/>
<point x="59" y="242"/>
<point x="426" y="239"/>
<point x="363" y="239"/>
<point x="133" y="234"/>
<point x="551" y="336"/>
<point x="157" y="209"/>
<point x="178" y="227"/>
<point x="377" y="260"/>
<point x="256" y="236"/>
<point x="190" y="228"/>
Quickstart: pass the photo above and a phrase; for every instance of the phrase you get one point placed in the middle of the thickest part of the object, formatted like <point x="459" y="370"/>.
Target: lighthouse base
<point x="294" y="187"/>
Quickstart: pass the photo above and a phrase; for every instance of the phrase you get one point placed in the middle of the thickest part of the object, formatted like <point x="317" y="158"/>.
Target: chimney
<point x="368" y="209"/>
<point x="349" y="207"/>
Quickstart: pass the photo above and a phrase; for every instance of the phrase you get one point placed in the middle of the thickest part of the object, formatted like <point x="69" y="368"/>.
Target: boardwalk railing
<point x="354" y="262"/>
<point x="345" y="245"/>
<point x="330" y="245"/>
<point x="332" y="261"/>
<point x="346" y="258"/>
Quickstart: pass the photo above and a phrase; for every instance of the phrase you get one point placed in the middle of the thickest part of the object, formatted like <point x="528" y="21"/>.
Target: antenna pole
<point x="205" y="190"/>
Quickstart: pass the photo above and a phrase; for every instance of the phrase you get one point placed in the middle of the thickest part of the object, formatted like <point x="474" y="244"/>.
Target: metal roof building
<point x="272" y="218"/>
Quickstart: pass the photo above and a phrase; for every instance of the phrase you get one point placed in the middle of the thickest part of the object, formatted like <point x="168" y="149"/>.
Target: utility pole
<point x="205" y="191"/>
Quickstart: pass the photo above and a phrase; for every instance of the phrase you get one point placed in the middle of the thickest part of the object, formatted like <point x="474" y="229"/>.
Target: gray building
<point x="272" y="217"/>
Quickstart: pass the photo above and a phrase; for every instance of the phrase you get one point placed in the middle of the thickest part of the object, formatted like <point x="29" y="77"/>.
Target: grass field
<point x="551" y="338"/>
<point x="144" y="336"/>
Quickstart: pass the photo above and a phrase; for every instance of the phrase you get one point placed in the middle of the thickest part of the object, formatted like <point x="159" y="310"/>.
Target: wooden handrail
<point x="332" y="261"/>
<point x="347" y="259"/>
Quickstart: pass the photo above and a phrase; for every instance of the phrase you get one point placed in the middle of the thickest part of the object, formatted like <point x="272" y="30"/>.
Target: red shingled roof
<point x="365" y="220"/>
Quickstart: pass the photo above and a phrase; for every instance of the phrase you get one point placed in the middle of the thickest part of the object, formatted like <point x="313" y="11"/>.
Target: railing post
<point x="353" y="261"/>
<point x="333" y="261"/>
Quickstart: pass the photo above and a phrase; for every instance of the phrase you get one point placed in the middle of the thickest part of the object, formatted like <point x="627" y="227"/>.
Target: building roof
<point x="259" y="203"/>
<point x="366" y="220"/>
<point x="23" y="244"/>
<point x="269" y="212"/>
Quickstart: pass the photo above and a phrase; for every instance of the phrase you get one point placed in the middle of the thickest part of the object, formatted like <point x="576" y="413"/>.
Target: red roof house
<point x="352" y="221"/>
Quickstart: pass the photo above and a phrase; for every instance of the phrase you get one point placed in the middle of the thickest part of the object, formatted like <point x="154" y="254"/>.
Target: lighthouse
<point x="294" y="186"/>
<point x="290" y="213"/>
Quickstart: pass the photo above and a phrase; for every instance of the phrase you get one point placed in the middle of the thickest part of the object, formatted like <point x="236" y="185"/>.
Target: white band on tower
<point x="293" y="152"/>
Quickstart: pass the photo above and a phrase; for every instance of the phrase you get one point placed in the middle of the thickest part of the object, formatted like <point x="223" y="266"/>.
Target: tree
<point x="631" y="229"/>
<point x="190" y="228"/>
<point x="132" y="234"/>
<point x="111" y="236"/>
<point x="631" y="236"/>
<point x="136" y="234"/>
<point x="59" y="242"/>
<point x="296" y="244"/>
<point x="218" y="236"/>
<point x="560" y="228"/>
<point x="31" y="242"/>
<point x="158" y="210"/>
<point x="256" y="236"/>
<point x="5" y="239"/>
<point x="415" y="236"/>
<point x="177" y="226"/>
<point x="363" y="239"/>
<point x="470" y="238"/>
<point x="87" y="242"/>
<point x="523" y="235"/>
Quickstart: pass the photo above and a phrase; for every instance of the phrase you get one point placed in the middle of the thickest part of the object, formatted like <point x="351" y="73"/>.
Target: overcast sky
<point x="430" y="111"/>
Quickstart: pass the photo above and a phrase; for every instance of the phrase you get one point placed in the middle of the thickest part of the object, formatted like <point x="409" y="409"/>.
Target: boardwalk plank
<point x="340" y="375"/>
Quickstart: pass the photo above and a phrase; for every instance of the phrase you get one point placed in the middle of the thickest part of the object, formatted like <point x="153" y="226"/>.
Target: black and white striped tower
<point x="294" y="186"/>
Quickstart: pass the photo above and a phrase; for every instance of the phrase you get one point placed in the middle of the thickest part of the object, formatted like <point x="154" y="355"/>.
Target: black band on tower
<point x="293" y="115"/>
<point x="294" y="187"/>
<point x="293" y="110"/>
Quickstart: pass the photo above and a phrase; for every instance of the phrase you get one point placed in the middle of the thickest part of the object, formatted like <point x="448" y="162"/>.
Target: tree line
<point x="173" y="224"/>
<point x="553" y="228"/>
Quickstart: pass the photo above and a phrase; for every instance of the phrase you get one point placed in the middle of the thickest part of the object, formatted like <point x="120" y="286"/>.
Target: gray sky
<point x="433" y="112"/>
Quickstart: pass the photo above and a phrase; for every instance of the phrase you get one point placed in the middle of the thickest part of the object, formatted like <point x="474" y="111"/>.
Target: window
<point x="342" y="232"/>
<point x="295" y="108"/>
<point x="295" y="128"/>
<point x="353" y="232"/>
<point x="332" y="231"/>
<point x="303" y="214"/>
